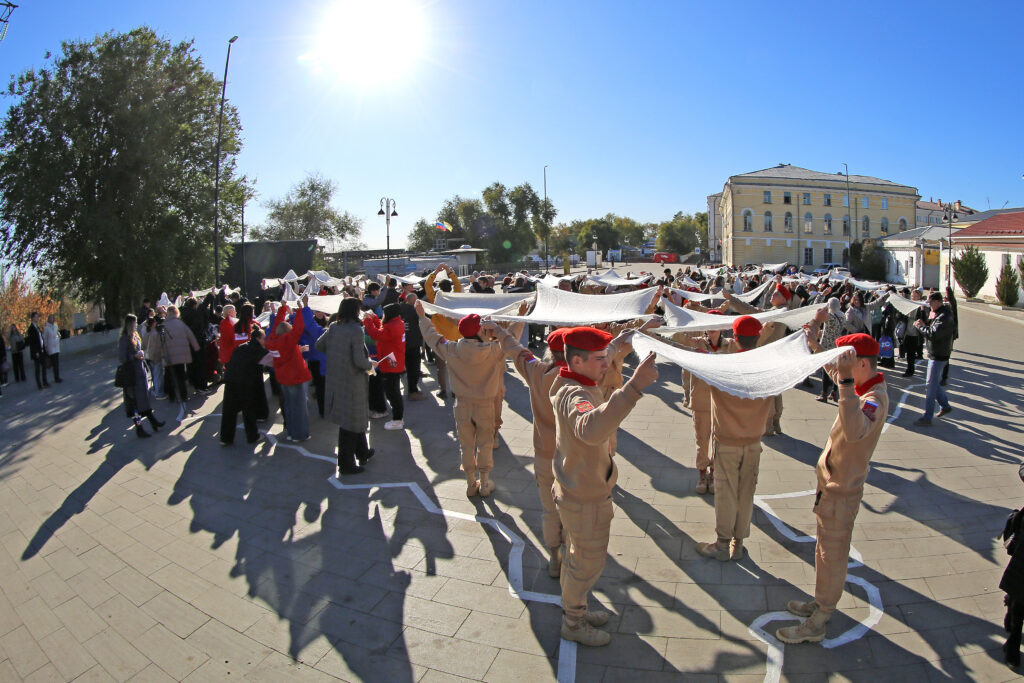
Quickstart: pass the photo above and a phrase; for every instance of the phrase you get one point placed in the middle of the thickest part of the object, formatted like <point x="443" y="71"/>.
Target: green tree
<point x="507" y="223"/>
<point x="306" y="212"/>
<point x="872" y="265"/>
<point x="107" y="169"/>
<point x="681" y="234"/>
<point x="970" y="271"/>
<point x="423" y="236"/>
<point x="1007" y="286"/>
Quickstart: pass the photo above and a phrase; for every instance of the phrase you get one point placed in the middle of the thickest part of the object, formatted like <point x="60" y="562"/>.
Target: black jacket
<point x="939" y="334"/>
<point x="1012" y="582"/>
<point x="35" y="342"/>
<point x="244" y="371"/>
<point x="413" y="336"/>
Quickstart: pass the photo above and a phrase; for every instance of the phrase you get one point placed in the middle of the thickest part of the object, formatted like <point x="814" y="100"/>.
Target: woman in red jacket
<point x="226" y="328"/>
<point x="291" y="372"/>
<point x="390" y="338"/>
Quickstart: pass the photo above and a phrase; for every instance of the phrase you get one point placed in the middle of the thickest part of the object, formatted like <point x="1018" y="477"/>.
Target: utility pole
<point x="216" y="178"/>
<point x="544" y="217"/>
<point x="849" y="201"/>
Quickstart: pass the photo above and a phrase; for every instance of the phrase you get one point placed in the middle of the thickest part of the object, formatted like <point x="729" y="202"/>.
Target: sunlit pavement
<point x="173" y="558"/>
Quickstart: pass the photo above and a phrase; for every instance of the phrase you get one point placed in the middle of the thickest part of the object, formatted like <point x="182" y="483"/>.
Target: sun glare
<point x="366" y="42"/>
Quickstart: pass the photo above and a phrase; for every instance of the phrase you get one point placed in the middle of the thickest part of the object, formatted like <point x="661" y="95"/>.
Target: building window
<point x="885" y="226"/>
<point x="767" y="196"/>
<point x="808" y="256"/>
<point x="865" y="226"/>
<point x="828" y="200"/>
<point x="864" y="204"/>
<point x="808" y="223"/>
<point x="846" y="225"/>
<point x="920" y="218"/>
<point x="807" y="198"/>
<point x="828" y="225"/>
<point x="846" y="200"/>
<point x="911" y="262"/>
<point x="885" y="203"/>
<point x="767" y="221"/>
<point x="903" y="224"/>
<point x="748" y="220"/>
<point x="787" y="198"/>
<point x="788" y="222"/>
<point x="827" y="255"/>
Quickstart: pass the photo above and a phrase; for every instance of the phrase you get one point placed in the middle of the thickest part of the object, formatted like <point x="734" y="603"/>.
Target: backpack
<point x="885" y="347"/>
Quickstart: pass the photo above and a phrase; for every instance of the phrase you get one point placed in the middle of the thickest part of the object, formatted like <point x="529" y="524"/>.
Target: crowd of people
<point x="43" y="343"/>
<point x="354" y="362"/>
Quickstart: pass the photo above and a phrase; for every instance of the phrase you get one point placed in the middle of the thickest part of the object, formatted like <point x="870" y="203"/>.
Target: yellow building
<point x="804" y="217"/>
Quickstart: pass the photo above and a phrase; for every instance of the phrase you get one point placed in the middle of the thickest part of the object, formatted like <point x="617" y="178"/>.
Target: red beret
<point x="587" y="338"/>
<point x="863" y="344"/>
<point x="746" y="326"/>
<point x="784" y="291"/>
<point x="556" y="340"/>
<point x="470" y="325"/>
<point x="715" y="311"/>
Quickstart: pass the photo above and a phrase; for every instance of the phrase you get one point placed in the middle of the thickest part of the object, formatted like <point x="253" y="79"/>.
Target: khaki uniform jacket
<point x="539" y="376"/>
<point x="737" y="421"/>
<point x="843" y="465"/>
<point x="584" y="470"/>
<point x="475" y="368"/>
<point x="700" y="391"/>
<point x="446" y="327"/>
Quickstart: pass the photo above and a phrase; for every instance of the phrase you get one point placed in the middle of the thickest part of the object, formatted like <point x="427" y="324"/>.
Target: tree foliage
<point x="18" y="299"/>
<point x="107" y="169"/>
<point x="871" y="263"/>
<point x="970" y="271"/>
<point x="683" y="233"/>
<point x="1007" y="286"/>
<point x="423" y="236"/>
<point x="306" y="212"/>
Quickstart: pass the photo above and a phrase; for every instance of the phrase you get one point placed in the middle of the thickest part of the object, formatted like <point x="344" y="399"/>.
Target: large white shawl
<point x="555" y="307"/>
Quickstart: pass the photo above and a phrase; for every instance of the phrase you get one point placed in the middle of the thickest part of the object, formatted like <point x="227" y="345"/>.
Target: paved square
<point x="173" y="558"/>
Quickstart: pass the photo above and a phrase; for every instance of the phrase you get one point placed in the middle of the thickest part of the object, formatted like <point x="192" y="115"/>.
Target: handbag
<point x="901" y="329"/>
<point x="885" y="347"/>
<point x="123" y="376"/>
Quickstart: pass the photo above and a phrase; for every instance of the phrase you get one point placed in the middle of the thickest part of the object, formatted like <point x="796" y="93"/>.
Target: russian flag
<point x="443" y="225"/>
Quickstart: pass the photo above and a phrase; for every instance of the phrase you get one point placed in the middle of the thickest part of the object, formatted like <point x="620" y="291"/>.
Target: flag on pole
<point x="443" y="225"/>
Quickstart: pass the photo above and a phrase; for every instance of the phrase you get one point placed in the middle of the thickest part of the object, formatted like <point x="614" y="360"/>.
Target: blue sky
<point x="638" y="108"/>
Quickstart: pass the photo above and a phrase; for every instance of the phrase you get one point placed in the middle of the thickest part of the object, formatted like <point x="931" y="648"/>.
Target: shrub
<point x="970" y="271"/>
<point x="1007" y="285"/>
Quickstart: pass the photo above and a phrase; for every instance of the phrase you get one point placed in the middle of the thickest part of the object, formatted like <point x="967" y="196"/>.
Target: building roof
<point x="984" y="215"/>
<point x="928" y="233"/>
<point x="1008" y="224"/>
<point x="936" y="206"/>
<point x="788" y="171"/>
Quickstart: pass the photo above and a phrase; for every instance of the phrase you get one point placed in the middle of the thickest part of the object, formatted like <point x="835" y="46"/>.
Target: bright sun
<point x="366" y="42"/>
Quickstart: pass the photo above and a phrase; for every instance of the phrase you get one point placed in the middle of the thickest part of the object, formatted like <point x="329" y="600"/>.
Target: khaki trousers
<point x="687" y="383"/>
<point x="499" y="402"/>
<point x="835" y="515"/>
<point x="702" y="428"/>
<point x="551" y="524"/>
<point x="474" y="424"/>
<point x="775" y="414"/>
<point x="587" y="526"/>
<point x="735" y="480"/>
<point x="442" y="372"/>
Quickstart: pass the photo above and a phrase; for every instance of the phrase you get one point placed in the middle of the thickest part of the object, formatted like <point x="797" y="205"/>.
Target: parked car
<point x="665" y="257"/>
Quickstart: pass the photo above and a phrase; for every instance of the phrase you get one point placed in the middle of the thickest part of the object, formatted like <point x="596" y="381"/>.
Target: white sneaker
<point x="394" y="424"/>
<point x="374" y="415"/>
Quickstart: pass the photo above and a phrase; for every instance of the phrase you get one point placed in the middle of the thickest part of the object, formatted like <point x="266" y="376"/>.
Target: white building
<point x="1001" y="240"/>
<point x="912" y="257"/>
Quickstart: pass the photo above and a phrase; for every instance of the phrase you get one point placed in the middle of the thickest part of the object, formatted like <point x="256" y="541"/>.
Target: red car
<point x="665" y="257"/>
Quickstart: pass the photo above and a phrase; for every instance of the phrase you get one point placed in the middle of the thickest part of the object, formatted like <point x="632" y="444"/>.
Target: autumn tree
<point x="107" y="169"/>
<point x="18" y="299"/>
<point x="307" y="212"/>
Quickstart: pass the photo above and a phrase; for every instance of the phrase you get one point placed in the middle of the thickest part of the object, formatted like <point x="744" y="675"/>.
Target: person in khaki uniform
<point x="446" y="327"/>
<point x="782" y="297"/>
<point x="539" y="375"/>
<point x="475" y="367"/>
<point x="841" y="471"/>
<point x="585" y="471"/>
<point x="699" y="401"/>
<point x="736" y="428"/>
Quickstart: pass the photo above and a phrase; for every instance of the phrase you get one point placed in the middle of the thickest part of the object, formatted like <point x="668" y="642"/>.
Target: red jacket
<point x="227" y="339"/>
<point x="390" y="338"/>
<point x="289" y="366"/>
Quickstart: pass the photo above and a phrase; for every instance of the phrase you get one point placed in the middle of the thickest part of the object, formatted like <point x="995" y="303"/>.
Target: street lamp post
<point x="544" y="217"/>
<point x="244" y="288"/>
<point x="387" y="209"/>
<point x="216" y="177"/>
<point x="950" y="215"/>
<point x="850" y="204"/>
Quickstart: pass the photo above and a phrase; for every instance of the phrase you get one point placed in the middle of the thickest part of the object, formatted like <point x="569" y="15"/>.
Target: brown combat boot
<point x="802" y="609"/>
<point x="486" y="485"/>
<point x="596" y="618"/>
<point x="472" y="485"/>
<point x="584" y="634"/>
<point x="810" y="630"/>
<point x="718" y="550"/>
<point x="736" y="549"/>
<point x="555" y="562"/>
<point x="702" y="483"/>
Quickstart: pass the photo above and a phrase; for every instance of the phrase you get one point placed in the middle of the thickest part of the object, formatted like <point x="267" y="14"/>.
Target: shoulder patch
<point x="584" y="406"/>
<point x="870" y="408"/>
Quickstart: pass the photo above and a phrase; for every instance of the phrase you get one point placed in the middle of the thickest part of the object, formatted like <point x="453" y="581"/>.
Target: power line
<point x="5" y="17"/>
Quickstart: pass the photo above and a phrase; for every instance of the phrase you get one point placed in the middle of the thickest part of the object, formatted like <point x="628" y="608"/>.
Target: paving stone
<point x="73" y="659"/>
<point x="172" y="654"/>
<point x="117" y="656"/>
<point x="175" y="614"/>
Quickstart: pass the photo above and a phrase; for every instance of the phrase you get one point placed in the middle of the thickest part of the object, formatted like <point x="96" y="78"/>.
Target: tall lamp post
<point x="544" y="217"/>
<point x="216" y="178"/>
<point x="387" y="209"/>
<point x="850" y="204"/>
<point x="949" y="215"/>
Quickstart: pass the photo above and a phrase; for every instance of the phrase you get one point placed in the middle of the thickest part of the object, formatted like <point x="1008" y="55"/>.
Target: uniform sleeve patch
<point x="584" y="406"/>
<point x="870" y="408"/>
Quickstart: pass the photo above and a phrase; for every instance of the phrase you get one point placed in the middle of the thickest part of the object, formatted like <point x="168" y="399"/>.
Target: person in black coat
<point x="195" y="322"/>
<point x="243" y="386"/>
<point x="951" y="302"/>
<point x="36" y="352"/>
<point x="1012" y="583"/>
<point x="413" y="347"/>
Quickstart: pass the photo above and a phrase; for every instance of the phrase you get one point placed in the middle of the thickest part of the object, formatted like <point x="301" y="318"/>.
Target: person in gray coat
<point x="179" y="343"/>
<point x="347" y="387"/>
<point x="136" y="393"/>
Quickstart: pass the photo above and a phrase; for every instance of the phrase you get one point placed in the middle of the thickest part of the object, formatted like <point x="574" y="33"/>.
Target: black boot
<point x="140" y="431"/>
<point x="1011" y="652"/>
<point x="155" y="423"/>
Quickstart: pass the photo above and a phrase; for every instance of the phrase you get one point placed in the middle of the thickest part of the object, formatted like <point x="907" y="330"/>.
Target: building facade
<point x="805" y="217"/>
<point x="934" y="213"/>
<point x="912" y="257"/>
<point x="1001" y="240"/>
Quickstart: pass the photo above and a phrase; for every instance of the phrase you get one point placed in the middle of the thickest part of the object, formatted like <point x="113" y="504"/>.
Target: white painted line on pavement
<point x="900" y="404"/>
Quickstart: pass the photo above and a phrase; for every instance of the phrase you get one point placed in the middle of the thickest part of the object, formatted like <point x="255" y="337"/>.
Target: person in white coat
<point x="51" y="345"/>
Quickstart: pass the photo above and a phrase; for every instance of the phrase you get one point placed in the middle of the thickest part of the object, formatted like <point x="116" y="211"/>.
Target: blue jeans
<point x="296" y="415"/>
<point x="157" y="370"/>
<point x="935" y="391"/>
